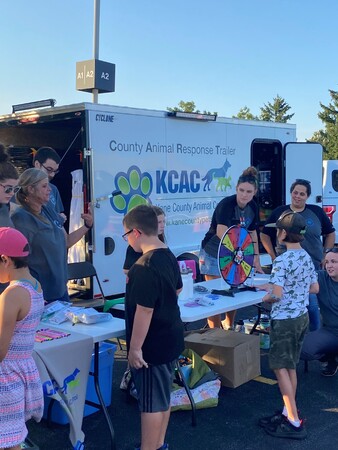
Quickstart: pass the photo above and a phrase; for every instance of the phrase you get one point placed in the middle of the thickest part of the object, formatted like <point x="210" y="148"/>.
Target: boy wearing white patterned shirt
<point x="293" y="276"/>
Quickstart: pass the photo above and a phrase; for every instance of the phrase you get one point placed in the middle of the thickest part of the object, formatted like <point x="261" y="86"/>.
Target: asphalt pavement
<point x="232" y="425"/>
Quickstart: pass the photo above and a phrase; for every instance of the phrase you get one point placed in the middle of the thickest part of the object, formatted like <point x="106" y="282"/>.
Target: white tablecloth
<point x="64" y="366"/>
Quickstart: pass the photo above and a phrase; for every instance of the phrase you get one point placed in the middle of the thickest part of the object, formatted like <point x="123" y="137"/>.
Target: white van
<point x="330" y="192"/>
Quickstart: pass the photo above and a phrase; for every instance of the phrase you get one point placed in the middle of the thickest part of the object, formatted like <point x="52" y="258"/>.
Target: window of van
<point x="335" y="180"/>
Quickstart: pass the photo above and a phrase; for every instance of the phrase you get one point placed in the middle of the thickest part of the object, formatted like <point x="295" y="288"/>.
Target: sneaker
<point x="330" y="370"/>
<point x="272" y="421"/>
<point x="287" y="431"/>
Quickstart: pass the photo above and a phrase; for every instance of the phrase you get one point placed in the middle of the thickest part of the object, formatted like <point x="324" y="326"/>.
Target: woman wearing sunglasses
<point x="8" y="187"/>
<point x="318" y="225"/>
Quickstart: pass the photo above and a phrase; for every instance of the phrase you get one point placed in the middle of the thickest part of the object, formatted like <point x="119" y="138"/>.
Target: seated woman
<point x="43" y="228"/>
<point x="322" y="344"/>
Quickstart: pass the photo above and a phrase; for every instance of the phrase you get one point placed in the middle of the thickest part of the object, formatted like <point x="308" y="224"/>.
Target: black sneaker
<point x="330" y="370"/>
<point x="287" y="431"/>
<point x="272" y="421"/>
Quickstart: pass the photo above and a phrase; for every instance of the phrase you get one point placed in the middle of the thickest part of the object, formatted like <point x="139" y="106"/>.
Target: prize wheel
<point x="236" y="255"/>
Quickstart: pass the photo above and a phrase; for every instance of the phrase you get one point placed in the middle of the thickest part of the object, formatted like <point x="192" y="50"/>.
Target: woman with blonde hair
<point x="43" y="228"/>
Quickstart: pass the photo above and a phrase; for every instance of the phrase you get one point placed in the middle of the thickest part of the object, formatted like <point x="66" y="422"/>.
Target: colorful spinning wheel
<point x="236" y="255"/>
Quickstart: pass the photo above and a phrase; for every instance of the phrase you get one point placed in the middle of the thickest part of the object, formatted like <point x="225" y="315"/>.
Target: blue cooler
<point x="106" y="362"/>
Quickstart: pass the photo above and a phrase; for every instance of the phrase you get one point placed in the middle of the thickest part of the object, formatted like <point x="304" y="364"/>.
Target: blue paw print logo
<point x="135" y="188"/>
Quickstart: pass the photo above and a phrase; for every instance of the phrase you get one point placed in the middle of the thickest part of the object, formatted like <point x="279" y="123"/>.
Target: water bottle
<point x="188" y="285"/>
<point x="239" y="327"/>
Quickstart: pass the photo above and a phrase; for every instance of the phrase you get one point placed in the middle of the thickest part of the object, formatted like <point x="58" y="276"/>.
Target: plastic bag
<point x="88" y="316"/>
<point x="205" y="396"/>
<point x="199" y="368"/>
<point x="56" y="312"/>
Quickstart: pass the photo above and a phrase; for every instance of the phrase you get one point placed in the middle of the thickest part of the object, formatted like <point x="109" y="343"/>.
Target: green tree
<point x="276" y="111"/>
<point x="188" y="107"/>
<point x="245" y="113"/>
<point x="328" y="137"/>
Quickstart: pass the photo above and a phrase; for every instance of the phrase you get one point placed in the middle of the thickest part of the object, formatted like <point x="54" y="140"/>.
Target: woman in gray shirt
<point x="43" y="228"/>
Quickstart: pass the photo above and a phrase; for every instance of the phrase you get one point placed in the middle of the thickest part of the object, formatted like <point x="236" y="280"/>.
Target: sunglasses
<point x="331" y="250"/>
<point x="10" y="189"/>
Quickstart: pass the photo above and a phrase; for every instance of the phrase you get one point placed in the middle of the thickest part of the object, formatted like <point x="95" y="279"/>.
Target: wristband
<point x="87" y="226"/>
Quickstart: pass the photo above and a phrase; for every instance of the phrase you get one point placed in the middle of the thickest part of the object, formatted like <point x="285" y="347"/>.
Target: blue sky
<point x="223" y="54"/>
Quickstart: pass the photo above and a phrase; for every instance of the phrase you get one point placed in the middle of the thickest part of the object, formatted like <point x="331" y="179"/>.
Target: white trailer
<point x="183" y="165"/>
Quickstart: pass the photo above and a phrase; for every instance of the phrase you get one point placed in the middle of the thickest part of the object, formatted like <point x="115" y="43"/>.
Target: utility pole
<point x="96" y="41"/>
<point x="93" y="75"/>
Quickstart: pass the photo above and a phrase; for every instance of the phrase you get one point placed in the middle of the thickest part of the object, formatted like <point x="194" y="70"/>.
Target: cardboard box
<point x="234" y="356"/>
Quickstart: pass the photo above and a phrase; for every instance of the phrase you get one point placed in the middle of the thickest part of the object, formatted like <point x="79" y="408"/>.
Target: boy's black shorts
<point x="286" y="340"/>
<point x="153" y="386"/>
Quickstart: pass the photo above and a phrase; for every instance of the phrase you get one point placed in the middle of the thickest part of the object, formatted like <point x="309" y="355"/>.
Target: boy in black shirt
<point x="154" y="328"/>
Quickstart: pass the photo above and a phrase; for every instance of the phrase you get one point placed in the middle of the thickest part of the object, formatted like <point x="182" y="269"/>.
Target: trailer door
<point x="304" y="160"/>
<point x="267" y="157"/>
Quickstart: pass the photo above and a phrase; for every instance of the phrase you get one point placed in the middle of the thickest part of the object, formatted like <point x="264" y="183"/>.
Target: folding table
<point x="98" y="332"/>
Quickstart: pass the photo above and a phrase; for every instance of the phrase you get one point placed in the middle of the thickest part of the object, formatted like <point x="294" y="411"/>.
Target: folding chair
<point x="81" y="270"/>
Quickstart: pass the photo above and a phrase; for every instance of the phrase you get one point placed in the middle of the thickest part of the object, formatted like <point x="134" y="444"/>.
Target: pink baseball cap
<point x="13" y="243"/>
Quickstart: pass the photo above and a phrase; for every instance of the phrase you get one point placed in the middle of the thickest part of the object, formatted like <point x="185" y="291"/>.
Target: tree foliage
<point x="245" y="113"/>
<point x="188" y="107"/>
<point x="276" y="111"/>
<point x="328" y="136"/>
